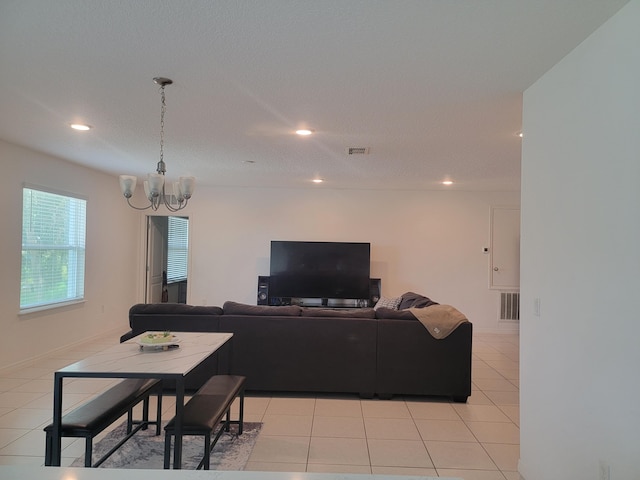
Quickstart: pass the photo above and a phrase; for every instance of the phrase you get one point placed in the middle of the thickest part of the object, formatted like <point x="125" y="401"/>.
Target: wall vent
<point x="509" y="305"/>
<point x="357" y="150"/>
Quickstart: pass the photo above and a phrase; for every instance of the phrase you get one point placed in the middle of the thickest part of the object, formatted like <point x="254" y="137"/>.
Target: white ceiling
<point x="432" y="87"/>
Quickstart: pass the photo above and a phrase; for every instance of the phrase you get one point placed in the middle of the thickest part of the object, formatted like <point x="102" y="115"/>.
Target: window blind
<point x="53" y="248"/>
<point x="177" y="249"/>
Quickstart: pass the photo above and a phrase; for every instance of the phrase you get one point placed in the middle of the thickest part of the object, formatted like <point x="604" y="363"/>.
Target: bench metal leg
<point x="88" y="451"/>
<point x="167" y="451"/>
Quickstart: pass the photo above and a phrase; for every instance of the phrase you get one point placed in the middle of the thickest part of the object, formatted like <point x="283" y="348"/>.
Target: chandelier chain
<point x="163" y="108"/>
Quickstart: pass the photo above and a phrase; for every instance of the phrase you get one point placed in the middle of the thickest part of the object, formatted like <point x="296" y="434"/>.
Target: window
<point x="53" y="249"/>
<point x="177" y="249"/>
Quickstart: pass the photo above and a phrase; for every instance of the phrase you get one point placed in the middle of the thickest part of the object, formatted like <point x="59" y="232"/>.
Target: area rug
<point x="146" y="450"/>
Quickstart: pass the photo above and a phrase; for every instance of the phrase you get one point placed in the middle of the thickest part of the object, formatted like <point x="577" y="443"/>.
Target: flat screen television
<point x="337" y="270"/>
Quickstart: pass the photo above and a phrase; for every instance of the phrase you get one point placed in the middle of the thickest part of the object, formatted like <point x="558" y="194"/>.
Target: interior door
<point x="156" y="256"/>
<point x="504" y="273"/>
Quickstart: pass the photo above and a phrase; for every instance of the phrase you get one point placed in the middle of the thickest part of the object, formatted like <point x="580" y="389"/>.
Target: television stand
<point x="321" y="302"/>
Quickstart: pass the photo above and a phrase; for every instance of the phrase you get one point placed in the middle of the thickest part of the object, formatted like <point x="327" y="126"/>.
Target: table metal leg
<point x="54" y="456"/>
<point x="177" y="448"/>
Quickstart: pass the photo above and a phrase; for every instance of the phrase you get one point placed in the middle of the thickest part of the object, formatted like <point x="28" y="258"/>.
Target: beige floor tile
<point x="341" y="427"/>
<point x="291" y="425"/>
<point x="31" y="443"/>
<point x="275" y="467"/>
<point x="280" y="449"/>
<point x="495" y="384"/>
<point x="255" y="405"/>
<point x="10" y="435"/>
<point x="13" y="399"/>
<point x="444" y="430"/>
<point x="472" y="474"/>
<point x="460" y="455"/>
<point x="291" y="406"/>
<point x="495" y="432"/>
<point x="385" y="409"/>
<point x="418" y="472"/>
<point x="319" y="468"/>
<point x="504" y="398"/>
<point x="505" y="456"/>
<point x="35" y="386"/>
<point x="33" y="372"/>
<point x="69" y="400"/>
<point x="432" y="410"/>
<point x="485" y="372"/>
<point x="399" y="453"/>
<point x="512" y="475"/>
<point x="481" y="413"/>
<point x="338" y="451"/>
<point x="478" y="398"/>
<point x="511" y="411"/>
<point x="25" y="418"/>
<point x="391" y="428"/>
<point x="338" y="407"/>
<point x="21" y="460"/>
<point x="7" y="384"/>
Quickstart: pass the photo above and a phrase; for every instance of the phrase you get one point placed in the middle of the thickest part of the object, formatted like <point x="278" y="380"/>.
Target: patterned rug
<point x="146" y="450"/>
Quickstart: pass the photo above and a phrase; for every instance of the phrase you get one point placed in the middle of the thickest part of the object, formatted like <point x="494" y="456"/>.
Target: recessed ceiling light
<point x="304" y="132"/>
<point x="80" y="126"/>
<point x="447" y="182"/>
<point x="317" y="180"/>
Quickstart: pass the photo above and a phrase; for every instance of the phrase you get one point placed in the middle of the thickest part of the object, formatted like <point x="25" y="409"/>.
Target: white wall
<point x="429" y="242"/>
<point x="580" y="386"/>
<point x="111" y="272"/>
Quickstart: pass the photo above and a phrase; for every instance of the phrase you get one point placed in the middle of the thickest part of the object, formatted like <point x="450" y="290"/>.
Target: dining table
<point x="134" y="359"/>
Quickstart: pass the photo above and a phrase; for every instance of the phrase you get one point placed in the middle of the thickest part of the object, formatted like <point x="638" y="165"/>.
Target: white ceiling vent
<point x="357" y="150"/>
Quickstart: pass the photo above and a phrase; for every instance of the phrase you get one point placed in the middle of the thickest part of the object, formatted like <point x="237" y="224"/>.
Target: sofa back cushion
<point x="234" y="308"/>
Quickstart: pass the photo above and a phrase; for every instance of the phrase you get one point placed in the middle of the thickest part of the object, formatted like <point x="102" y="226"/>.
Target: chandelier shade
<point x="155" y="184"/>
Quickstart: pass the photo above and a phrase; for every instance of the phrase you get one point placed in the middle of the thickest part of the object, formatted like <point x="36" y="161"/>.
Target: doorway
<point x="167" y="257"/>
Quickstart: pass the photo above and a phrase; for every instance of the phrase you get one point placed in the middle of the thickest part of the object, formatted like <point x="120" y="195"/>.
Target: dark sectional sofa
<point x="369" y="352"/>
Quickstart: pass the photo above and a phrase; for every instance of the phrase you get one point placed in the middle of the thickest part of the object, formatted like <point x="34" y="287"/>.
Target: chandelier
<point x="154" y="185"/>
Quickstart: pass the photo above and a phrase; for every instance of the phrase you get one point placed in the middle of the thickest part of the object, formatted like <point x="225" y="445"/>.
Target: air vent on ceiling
<point x="357" y="150"/>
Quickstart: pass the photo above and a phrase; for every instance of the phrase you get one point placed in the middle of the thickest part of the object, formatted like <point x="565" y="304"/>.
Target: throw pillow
<point x="387" y="302"/>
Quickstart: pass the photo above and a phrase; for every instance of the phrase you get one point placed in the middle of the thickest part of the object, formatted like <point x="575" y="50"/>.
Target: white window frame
<point x="34" y="239"/>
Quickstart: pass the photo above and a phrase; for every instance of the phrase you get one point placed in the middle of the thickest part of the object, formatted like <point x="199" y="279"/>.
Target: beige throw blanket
<point x="439" y="320"/>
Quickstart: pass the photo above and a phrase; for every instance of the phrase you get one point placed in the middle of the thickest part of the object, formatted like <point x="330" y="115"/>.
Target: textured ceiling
<point x="432" y="87"/>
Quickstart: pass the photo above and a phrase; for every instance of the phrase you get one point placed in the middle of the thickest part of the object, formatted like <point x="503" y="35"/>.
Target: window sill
<point x="50" y="306"/>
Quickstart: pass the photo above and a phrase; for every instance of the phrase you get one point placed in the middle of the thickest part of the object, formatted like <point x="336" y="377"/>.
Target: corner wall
<point x="580" y="256"/>
<point x="111" y="276"/>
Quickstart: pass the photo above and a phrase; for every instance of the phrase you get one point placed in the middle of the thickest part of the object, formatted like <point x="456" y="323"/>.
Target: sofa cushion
<point x="415" y="300"/>
<point x="339" y="312"/>
<point x="390" y="314"/>
<point x="233" y="308"/>
<point x="173" y="309"/>
<point x="388" y="302"/>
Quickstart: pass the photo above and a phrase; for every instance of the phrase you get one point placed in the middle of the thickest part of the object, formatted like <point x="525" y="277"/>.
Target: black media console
<point x="263" y="297"/>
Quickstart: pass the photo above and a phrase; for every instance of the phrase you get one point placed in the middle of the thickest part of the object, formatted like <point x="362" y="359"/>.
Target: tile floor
<point x="324" y="433"/>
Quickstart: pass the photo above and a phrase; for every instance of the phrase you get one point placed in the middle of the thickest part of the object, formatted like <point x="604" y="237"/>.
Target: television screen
<point x="319" y="270"/>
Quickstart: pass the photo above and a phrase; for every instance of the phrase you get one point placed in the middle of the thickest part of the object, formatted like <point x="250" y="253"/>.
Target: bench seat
<point x="208" y="409"/>
<point x="93" y="417"/>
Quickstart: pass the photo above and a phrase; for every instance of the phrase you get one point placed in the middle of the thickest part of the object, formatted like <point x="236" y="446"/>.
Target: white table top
<point x="21" y="472"/>
<point x="128" y="357"/>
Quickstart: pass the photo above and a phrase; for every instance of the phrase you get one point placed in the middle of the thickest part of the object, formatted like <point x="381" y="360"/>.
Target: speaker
<point x="263" y="290"/>
<point x="375" y="290"/>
